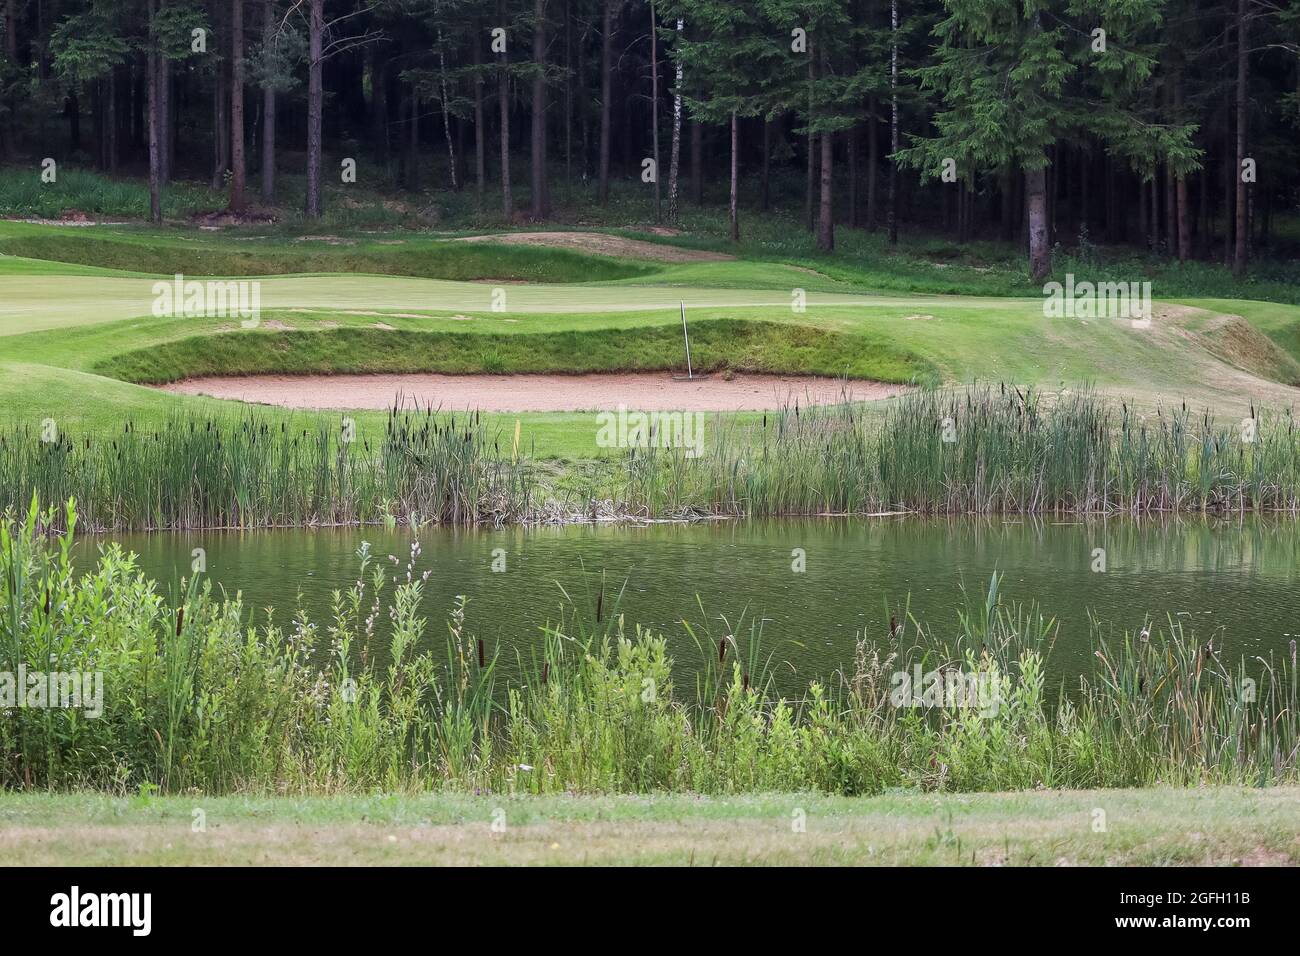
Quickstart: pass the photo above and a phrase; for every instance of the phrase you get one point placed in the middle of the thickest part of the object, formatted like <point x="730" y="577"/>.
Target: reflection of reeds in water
<point x="195" y="697"/>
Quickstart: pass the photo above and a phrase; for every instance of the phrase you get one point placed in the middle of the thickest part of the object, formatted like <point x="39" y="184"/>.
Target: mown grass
<point x="717" y="345"/>
<point x="162" y="254"/>
<point x="1154" y="826"/>
<point x="197" y="699"/>
<point x="924" y="261"/>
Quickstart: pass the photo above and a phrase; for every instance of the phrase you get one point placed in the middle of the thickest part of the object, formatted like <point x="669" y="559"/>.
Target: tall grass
<point x="982" y="450"/>
<point x="198" y="699"/>
<point x="206" y="472"/>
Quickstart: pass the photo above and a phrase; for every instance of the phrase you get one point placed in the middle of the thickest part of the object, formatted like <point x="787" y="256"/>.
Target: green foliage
<point x="195" y="698"/>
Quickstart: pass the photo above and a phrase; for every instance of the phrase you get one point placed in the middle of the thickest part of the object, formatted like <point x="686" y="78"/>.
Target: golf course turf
<point x="78" y="340"/>
<point x="1217" y="826"/>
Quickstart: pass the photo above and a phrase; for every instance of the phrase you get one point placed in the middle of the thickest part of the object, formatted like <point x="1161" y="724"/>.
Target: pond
<point x="1234" y="580"/>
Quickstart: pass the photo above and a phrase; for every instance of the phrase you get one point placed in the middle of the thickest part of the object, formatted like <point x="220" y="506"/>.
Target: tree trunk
<point x="8" y="123"/>
<point x="654" y="107"/>
<point x="1183" y="209"/>
<point x="735" y="178"/>
<point x="315" y="101"/>
<point x="268" y="109"/>
<point x="810" y="168"/>
<point x="873" y="162"/>
<point x="1040" y="253"/>
<point x="110" y="128"/>
<point x="826" y="211"/>
<point x="165" y="122"/>
<point x="1008" y="211"/>
<point x="892" y="212"/>
<point x="237" y="170"/>
<point x="697" y="161"/>
<point x="539" y="204"/>
<point x="503" y="96"/>
<point x="11" y="31"/>
<point x="854" y="162"/>
<point x="480" y="141"/>
<point x="446" y="115"/>
<point x="155" y="186"/>
<point x="766" y="176"/>
<point x="674" y="162"/>
<point x="1241" y="227"/>
<point x="606" y="67"/>
<point x="413" y="141"/>
<point x="567" y="20"/>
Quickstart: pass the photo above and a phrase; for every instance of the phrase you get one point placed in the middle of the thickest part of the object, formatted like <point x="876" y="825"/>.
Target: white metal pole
<point x="687" y="336"/>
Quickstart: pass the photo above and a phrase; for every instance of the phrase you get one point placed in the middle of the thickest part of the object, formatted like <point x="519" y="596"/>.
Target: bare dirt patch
<point x="643" y="391"/>
<point x="221" y="218"/>
<point x="601" y="244"/>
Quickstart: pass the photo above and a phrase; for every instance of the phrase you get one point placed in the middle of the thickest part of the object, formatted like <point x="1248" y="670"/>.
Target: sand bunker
<point x="642" y="391"/>
<point x="601" y="244"/>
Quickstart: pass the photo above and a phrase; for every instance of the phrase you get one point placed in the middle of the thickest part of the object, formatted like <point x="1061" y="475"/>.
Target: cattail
<point x="600" y="604"/>
<point x="47" y="614"/>
<point x="481" y="663"/>
<point x="893" y="625"/>
<point x="745" y="682"/>
<point x="180" y="620"/>
<point x="546" y="670"/>
<point x="722" y="650"/>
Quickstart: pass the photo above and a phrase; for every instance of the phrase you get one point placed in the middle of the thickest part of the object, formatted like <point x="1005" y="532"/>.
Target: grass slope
<point x="716" y="344"/>
<point x="1150" y="827"/>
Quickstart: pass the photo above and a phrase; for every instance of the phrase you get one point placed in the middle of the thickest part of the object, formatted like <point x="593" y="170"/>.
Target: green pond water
<point x="1234" y="580"/>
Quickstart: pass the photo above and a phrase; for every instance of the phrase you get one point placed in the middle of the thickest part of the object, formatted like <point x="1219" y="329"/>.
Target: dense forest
<point x="1172" y="124"/>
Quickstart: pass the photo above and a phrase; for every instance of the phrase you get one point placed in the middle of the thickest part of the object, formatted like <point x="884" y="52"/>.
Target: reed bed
<point x="197" y="698"/>
<point x="253" y="472"/>
<point x="983" y="450"/>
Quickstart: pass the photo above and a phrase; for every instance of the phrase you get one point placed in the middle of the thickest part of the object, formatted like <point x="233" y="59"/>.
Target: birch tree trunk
<point x="674" y="162"/>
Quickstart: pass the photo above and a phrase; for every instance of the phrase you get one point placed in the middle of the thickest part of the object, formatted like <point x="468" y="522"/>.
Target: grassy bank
<point x="1148" y="827"/>
<point x="982" y="451"/>
<point x="196" y="697"/>
<point x="716" y="345"/>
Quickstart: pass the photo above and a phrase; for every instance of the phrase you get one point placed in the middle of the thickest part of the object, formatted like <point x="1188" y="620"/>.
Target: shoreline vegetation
<point x="983" y="450"/>
<point x="196" y="698"/>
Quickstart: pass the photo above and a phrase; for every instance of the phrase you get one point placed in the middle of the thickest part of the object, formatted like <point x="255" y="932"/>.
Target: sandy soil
<point x="643" y="391"/>
<point x="601" y="244"/>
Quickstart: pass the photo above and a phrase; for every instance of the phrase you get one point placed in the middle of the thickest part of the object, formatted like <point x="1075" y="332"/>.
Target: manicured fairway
<point x="69" y="333"/>
<point x="1215" y="826"/>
